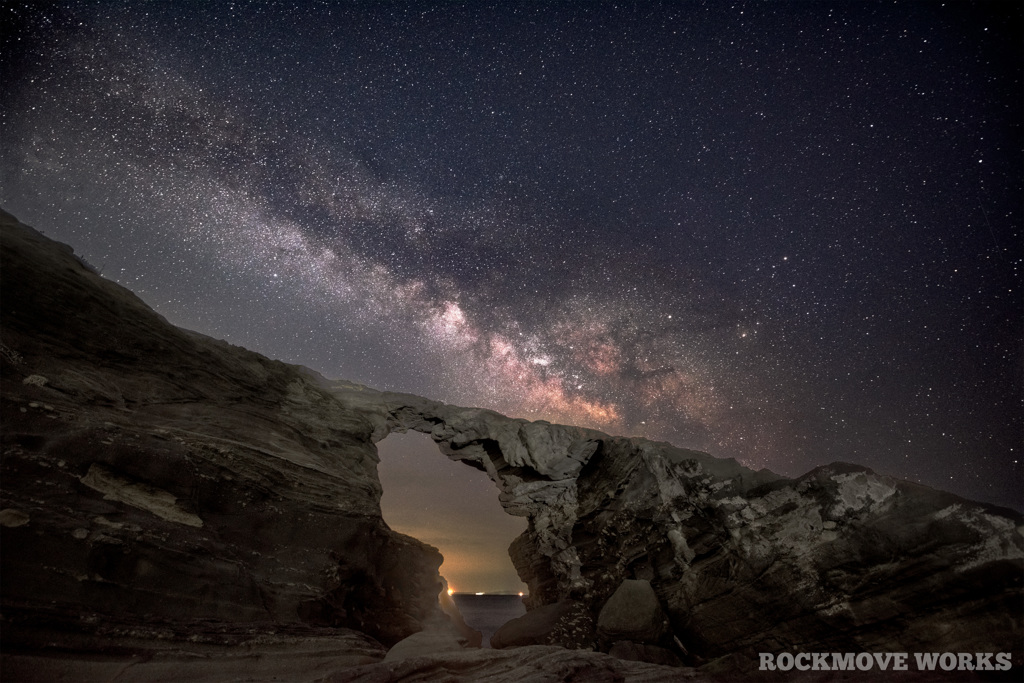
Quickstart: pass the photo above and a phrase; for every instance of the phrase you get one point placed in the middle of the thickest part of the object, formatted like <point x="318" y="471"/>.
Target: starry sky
<point x="784" y="232"/>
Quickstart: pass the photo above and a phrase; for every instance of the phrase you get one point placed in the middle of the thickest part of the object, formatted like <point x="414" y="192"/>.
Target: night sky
<point x="788" y="233"/>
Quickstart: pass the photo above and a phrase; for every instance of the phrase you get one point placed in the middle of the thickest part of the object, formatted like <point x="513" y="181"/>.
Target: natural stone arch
<point x="534" y="465"/>
<point x="734" y="556"/>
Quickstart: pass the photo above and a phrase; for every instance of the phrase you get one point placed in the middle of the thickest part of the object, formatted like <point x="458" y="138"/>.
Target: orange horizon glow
<point x="452" y="591"/>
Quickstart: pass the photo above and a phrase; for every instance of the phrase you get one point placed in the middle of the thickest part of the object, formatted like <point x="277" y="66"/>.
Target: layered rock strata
<point x="155" y="476"/>
<point x="742" y="561"/>
<point x="840" y="559"/>
<point x="159" y="486"/>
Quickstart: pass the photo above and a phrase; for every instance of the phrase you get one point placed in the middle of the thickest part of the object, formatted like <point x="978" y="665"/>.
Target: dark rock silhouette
<point x="633" y="614"/>
<point x="160" y="487"/>
<point x="171" y="502"/>
<point x="536" y="627"/>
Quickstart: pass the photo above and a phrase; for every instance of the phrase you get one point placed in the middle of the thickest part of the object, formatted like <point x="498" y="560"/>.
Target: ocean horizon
<point x="487" y="612"/>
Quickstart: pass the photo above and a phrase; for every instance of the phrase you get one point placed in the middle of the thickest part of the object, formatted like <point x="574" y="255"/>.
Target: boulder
<point x="536" y="627"/>
<point x="632" y="613"/>
<point x="427" y="642"/>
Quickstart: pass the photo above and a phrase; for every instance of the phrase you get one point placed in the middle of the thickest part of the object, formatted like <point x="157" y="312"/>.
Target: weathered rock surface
<point x="470" y="636"/>
<point x="840" y="559"/>
<point x="632" y="613"/>
<point x="441" y="633"/>
<point x="163" y="491"/>
<point x="426" y="642"/>
<point x="643" y="652"/>
<point x="532" y="664"/>
<point x="539" y="626"/>
<point x="143" y="655"/>
<point x="627" y="649"/>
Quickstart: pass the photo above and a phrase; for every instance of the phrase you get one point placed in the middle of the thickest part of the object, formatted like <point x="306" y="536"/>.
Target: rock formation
<point x="162" y="490"/>
<point x="841" y="559"/>
<point x="167" y="495"/>
<point x="632" y="613"/>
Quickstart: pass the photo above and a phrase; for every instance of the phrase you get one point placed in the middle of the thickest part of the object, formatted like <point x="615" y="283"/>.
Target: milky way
<point x="785" y="233"/>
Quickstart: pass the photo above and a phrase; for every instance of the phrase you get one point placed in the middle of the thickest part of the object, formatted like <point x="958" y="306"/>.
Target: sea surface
<point x="487" y="613"/>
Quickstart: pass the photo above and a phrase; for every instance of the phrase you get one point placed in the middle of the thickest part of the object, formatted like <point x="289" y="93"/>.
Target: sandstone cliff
<point x="167" y="497"/>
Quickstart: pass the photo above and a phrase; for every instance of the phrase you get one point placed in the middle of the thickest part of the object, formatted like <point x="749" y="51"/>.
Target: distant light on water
<point x="487" y="612"/>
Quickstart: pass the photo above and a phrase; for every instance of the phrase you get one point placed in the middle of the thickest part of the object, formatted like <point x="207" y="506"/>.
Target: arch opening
<point x="455" y="508"/>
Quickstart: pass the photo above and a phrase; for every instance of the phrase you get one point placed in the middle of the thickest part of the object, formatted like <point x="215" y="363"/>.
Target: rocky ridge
<point x="172" y="498"/>
<point x="164" y="490"/>
<point x="841" y="559"/>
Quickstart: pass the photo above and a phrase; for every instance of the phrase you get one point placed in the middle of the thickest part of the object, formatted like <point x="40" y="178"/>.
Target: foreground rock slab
<point x="297" y="659"/>
<point x="532" y="664"/>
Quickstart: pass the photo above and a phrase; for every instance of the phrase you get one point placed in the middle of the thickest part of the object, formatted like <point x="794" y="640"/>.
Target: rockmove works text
<point x="885" y="661"/>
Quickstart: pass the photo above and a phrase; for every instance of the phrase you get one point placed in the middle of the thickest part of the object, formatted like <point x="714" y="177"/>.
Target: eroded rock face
<point x="536" y="627"/>
<point x="158" y="481"/>
<point x="632" y="613"/>
<point x="160" y="487"/>
<point x="840" y="559"/>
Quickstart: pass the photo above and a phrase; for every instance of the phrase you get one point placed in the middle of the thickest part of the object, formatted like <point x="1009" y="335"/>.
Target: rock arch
<point x="535" y="466"/>
<point x="172" y="428"/>
<point x="735" y="556"/>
